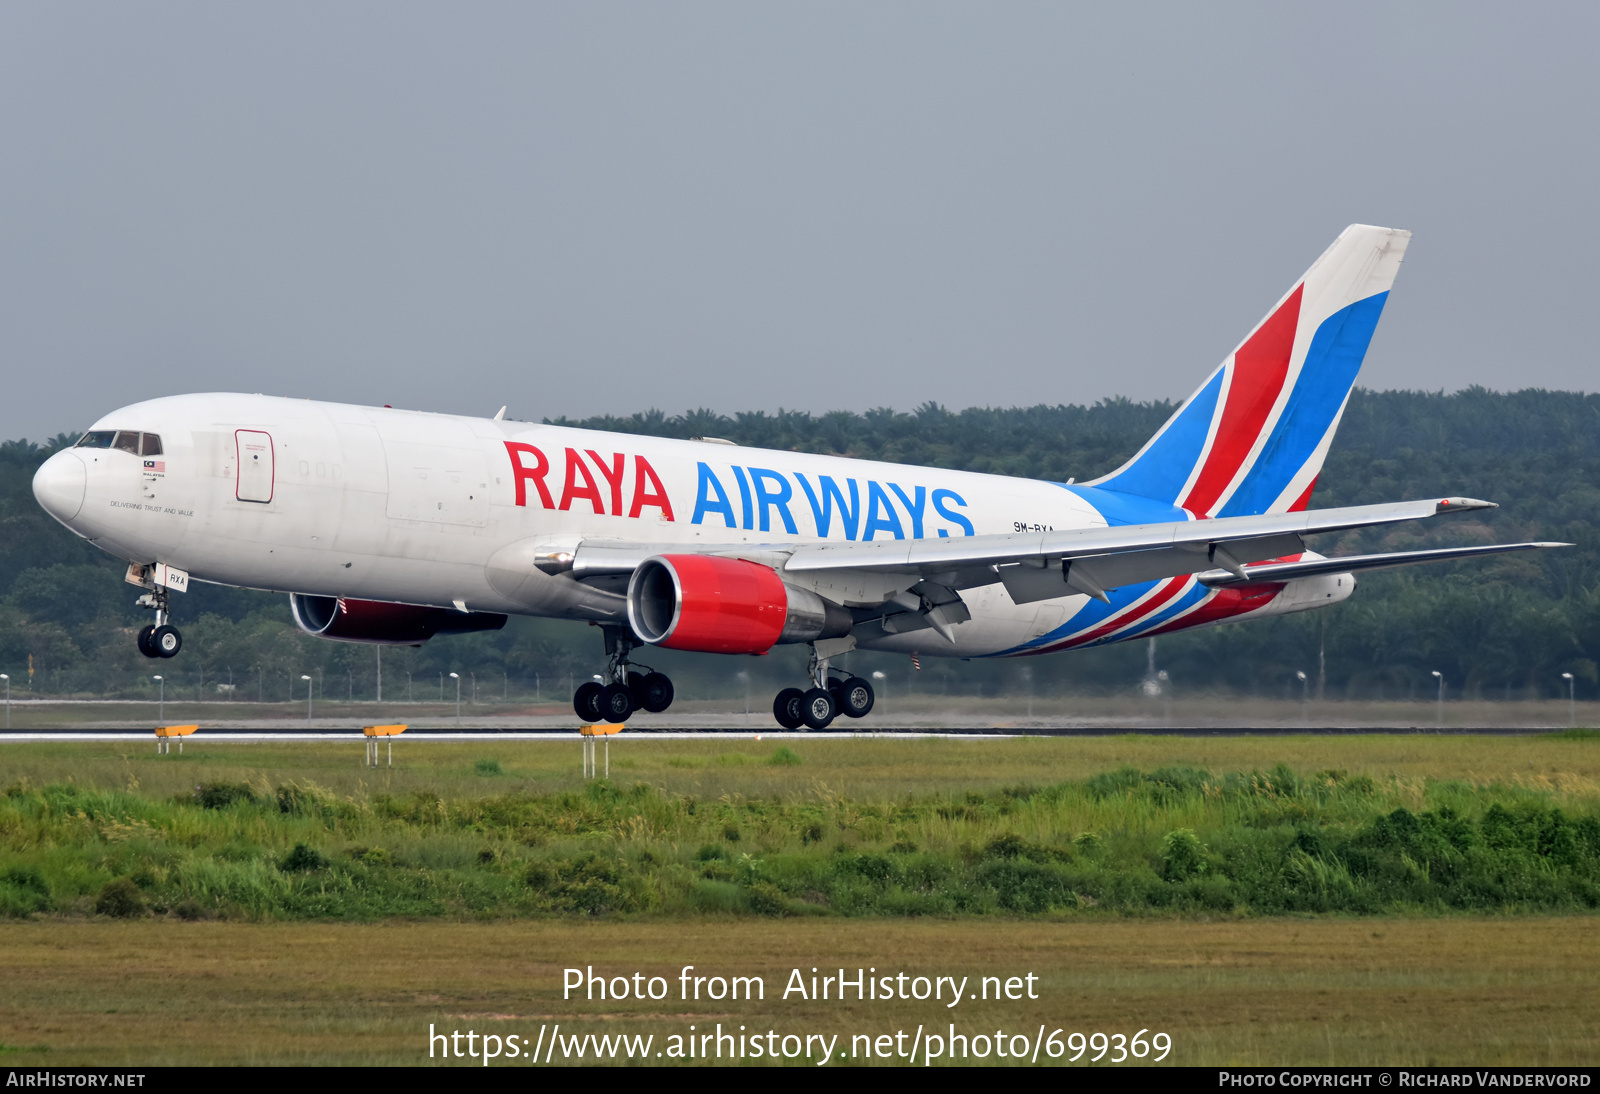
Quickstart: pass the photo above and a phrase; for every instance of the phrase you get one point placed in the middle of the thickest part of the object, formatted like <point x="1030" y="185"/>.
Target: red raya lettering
<point x="579" y="482"/>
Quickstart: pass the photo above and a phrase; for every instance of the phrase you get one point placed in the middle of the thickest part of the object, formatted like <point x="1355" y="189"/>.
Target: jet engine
<point x="382" y="624"/>
<point x="725" y="605"/>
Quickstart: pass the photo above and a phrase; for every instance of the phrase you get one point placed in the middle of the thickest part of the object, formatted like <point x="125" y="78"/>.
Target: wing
<point x="924" y="577"/>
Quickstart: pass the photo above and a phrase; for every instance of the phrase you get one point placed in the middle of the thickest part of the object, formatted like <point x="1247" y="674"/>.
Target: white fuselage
<point x="435" y="509"/>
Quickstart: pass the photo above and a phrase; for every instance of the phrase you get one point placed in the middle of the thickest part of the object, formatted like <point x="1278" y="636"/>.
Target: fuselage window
<point x="126" y="442"/>
<point x="100" y="438"/>
<point x="151" y="445"/>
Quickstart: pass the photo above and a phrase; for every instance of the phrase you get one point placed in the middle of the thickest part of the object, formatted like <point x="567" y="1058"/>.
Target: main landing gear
<point x="828" y="698"/>
<point x="161" y="638"/>
<point x="624" y="690"/>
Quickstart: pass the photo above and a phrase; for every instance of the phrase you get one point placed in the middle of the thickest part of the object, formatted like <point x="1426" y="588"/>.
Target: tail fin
<point x="1253" y="438"/>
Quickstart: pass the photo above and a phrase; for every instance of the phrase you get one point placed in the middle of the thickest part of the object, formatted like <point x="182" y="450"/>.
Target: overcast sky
<point x="588" y="208"/>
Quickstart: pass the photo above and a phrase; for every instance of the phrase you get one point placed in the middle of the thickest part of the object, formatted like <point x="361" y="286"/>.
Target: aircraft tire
<point x="166" y="641"/>
<point x="586" y="701"/>
<point x="788" y="708"/>
<point x="855" y="697"/>
<point x="616" y="703"/>
<point x="652" y="692"/>
<point x="145" y="646"/>
<point x="818" y="708"/>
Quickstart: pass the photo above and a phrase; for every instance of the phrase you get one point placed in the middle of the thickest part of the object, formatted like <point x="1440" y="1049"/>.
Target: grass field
<point x="151" y="924"/>
<point x="1460" y="990"/>
<point x="826" y="827"/>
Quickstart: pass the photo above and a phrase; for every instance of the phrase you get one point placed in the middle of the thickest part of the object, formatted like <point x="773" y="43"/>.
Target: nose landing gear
<point x="161" y="638"/>
<point x="624" y="690"/>
<point x="817" y="707"/>
<point x="162" y="641"/>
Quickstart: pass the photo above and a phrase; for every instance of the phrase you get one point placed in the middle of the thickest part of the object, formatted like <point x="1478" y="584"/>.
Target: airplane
<point x="395" y="526"/>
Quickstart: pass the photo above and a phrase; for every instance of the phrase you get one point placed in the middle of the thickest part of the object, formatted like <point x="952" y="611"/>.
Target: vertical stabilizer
<point x="1253" y="438"/>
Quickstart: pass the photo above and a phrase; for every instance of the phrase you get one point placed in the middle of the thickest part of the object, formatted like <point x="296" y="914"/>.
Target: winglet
<point x="1463" y="505"/>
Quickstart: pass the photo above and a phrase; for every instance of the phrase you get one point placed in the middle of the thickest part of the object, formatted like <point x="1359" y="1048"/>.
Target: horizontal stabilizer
<point x="1317" y="567"/>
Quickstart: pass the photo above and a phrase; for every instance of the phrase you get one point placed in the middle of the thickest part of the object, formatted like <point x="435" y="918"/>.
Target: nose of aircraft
<point x="59" y="485"/>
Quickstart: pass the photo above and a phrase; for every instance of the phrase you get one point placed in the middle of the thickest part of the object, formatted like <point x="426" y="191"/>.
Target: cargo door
<point x="254" y="482"/>
<point x="437" y="469"/>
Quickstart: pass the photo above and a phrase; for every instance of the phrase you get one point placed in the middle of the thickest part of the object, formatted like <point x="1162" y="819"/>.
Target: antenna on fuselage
<point x="500" y="415"/>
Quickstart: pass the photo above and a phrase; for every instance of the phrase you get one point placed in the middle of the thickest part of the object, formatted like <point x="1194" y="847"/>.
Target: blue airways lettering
<point x="766" y="500"/>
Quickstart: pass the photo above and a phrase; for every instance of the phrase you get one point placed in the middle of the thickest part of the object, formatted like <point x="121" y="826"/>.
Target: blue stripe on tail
<point x="1325" y="380"/>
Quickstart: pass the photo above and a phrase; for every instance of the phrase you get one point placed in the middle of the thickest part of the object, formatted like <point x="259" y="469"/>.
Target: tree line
<point x="1499" y="628"/>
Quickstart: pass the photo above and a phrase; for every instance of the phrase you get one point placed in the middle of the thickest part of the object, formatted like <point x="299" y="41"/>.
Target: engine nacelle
<point x="344" y="619"/>
<point x="725" y="605"/>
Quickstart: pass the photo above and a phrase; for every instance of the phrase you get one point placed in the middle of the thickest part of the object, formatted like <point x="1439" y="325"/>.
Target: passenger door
<point x="256" y="465"/>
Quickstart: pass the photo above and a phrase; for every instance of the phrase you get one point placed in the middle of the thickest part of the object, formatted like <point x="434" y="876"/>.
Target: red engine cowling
<point x="382" y="624"/>
<point x="725" y="605"/>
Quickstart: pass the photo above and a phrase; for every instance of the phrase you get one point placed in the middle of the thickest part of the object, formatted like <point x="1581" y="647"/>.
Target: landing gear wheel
<point x="818" y="708"/>
<point x="586" y="701"/>
<point x="652" y="691"/>
<point x="146" y="647"/>
<point x="616" y="703"/>
<point x="855" y="697"/>
<point x="789" y="708"/>
<point x="166" y="641"/>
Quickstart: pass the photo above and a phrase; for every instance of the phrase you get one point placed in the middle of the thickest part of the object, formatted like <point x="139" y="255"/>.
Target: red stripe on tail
<point x="1259" y="369"/>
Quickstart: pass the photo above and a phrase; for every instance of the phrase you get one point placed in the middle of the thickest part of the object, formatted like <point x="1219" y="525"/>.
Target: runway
<point x="254" y="735"/>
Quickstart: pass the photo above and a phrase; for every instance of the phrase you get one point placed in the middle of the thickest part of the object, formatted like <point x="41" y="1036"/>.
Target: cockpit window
<point x="124" y="440"/>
